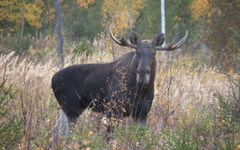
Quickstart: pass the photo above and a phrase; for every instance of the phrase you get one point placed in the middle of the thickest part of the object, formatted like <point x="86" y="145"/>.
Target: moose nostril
<point x="143" y="71"/>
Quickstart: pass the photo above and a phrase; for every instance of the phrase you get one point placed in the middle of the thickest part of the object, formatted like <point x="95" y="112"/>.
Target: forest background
<point x="197" y="99"/>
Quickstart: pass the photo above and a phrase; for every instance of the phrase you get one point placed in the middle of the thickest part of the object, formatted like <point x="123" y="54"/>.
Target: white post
<point x="163" y="22"/>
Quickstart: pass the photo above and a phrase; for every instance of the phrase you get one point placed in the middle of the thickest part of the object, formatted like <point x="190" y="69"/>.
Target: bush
<point x="10" y="127"/>
<point x="221" y="36"/>
<point x="83" y="46"/>
<point x="16" y="44"/>
<point x="183" y="137"/>
<point x="135" y="137"/>
<point x="228" y="116"/>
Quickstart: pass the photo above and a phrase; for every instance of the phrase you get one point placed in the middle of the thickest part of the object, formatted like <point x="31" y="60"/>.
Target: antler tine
<point x="173" y="46"/>
<point x="113" y="38"/>
<point x="179" y="43"/>
<point x="122" y="42"/>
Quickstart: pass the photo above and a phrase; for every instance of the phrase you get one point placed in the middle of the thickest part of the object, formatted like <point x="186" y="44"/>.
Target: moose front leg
<point x="111" y="125"/>
<point x="140" y="112"/>
<point x="114" y="115"/>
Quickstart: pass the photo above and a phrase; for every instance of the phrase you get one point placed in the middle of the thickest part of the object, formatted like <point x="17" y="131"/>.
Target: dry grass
<point x="182" y="89"/>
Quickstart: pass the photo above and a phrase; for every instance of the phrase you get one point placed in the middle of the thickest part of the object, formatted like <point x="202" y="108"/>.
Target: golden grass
<point x="180" y="88"/>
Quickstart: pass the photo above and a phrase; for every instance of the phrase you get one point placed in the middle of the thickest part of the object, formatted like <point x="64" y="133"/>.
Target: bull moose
<point x="124" y="87"/>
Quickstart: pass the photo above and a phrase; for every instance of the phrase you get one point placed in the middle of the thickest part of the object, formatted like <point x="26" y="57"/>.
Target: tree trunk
<point x="70" y="28"/>
<point x="163" y="23"/>
<point x="131" y="16"/>
<point x="22" y="30"/>
<point x="59" y="34"/>
<point x="203" y="47"/>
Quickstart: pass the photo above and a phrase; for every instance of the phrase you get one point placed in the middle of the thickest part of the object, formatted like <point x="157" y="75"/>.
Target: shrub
<point x="228" y="116"/>
<point x="16" y="44"/>
<point x="183" y="137"/>
<point x="10" y="127"/>
<point x="83" y="46"/>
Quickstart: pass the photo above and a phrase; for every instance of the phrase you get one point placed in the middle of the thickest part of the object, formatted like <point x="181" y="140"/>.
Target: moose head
<point x="146" y="52"/>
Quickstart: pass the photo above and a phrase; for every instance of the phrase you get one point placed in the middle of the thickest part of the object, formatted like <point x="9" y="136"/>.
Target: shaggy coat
<point x="103" y="86"/>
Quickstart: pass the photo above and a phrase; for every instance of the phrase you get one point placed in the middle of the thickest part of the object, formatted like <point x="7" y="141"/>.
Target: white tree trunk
<point x="163" y="21"/>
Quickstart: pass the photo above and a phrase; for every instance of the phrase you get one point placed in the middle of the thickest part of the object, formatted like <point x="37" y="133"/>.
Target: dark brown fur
<point x="95" y="85"/>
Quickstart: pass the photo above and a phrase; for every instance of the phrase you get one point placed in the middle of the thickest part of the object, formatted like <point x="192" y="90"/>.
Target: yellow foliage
<point x="85" y="3"/>
<point x="199" y="8"/>
<point x="38" y="148"/>
<point x="16" y="11"/>
<point x="32" y="14"/>
<point x="91" y="1"/>
<point x="115" y="146"/>
<point x="90" y="134"/>
<point x="120" y="14"/>
<point x="86" y="142"/>
<point x="21" y="146"/>
<point x="50" y="139"/>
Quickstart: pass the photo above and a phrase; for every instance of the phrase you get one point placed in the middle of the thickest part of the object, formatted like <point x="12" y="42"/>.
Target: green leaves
<point x="10" y="127"/>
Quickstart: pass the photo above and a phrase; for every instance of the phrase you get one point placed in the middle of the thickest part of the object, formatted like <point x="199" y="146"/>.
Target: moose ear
<point x="135" y="38"/>
<point x="158" y="39"/>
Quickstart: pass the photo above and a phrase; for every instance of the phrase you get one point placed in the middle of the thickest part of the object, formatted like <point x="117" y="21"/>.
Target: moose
<point x="122" y="88"/>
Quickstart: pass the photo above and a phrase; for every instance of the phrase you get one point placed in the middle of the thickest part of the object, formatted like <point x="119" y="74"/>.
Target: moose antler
<point x="173" y="46"/>
<point x="122" y="41"/>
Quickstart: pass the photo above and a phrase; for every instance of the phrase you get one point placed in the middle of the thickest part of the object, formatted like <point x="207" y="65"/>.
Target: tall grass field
<point x="195" y="106"/>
